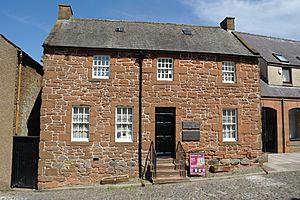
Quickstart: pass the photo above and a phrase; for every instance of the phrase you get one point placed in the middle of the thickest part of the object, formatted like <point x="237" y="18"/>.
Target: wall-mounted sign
<point x="190" y="135"/>
<point x="190" y="125"/>
<point x="197" y="164"/>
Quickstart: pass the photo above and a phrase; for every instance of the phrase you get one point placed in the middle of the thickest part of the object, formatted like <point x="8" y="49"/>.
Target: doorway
<point x="269" y="128"/>
<point x="165" y="118"/>
<point x="25" y="162"/>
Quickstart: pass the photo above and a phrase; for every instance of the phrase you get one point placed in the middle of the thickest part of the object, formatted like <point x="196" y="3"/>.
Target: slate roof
<point x="278" y="91"/>
<point x="266" y="46"/>
<point x="94" y="33"/>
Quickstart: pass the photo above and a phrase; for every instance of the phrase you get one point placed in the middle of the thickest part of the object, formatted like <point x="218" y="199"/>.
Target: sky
<point x="28" y="22"/>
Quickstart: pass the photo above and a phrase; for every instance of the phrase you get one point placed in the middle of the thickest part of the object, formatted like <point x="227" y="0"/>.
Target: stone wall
<point x="30" y="102"/>
<point x="8" y="67"/>
<point x="197" y="93"/>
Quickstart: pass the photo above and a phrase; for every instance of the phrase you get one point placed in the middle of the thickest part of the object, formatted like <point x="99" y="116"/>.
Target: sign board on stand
<point x="197" y="163"/>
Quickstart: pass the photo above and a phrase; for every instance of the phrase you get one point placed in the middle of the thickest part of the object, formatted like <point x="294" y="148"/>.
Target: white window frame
<point x="100" y="66"/>
<point x="229" y="126"/>
<point x="83" y="139"/>
<point x="124" y="123"/>
<point x="165" y="66"/>
<point x="228" y="72"/>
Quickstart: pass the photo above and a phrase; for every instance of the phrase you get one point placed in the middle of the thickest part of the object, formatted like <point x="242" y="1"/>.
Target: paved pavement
<point x="283" y="185"/>
<point x="283" y="162"/>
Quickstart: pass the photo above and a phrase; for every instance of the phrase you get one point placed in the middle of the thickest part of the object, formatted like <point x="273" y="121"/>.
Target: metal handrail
<point x="150" y="163"/>
<point x="180" y="159"/>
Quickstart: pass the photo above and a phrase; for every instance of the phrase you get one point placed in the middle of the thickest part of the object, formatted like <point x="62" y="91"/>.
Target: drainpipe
<point x="283" y="126"/>
<point x="17" y="118"/>
<point x="139" y="60"/>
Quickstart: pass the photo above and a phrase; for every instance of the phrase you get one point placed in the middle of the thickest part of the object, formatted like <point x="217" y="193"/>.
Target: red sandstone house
<point x="112" y="90"/>
<point x="280" y="92"/>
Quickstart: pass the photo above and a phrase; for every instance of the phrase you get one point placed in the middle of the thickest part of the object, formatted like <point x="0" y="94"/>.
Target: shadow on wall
<point x="33" y="123"/>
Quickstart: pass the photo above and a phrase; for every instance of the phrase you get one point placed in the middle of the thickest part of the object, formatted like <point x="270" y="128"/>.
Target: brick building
<point x="280" y="91"/>
<point x="21" y="81"/>
<point x="107" y="82"/>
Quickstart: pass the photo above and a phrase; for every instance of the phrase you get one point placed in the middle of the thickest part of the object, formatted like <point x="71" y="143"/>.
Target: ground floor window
<point x="229" y="125"/>
<point x="80" y="123"/>
<point x="294" y="123"/>
<point x="124" y="122"/>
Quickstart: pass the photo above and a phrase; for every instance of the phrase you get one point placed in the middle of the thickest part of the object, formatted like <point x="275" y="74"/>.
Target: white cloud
<point x="27" y="21"/>
<point x="277" y="18"/>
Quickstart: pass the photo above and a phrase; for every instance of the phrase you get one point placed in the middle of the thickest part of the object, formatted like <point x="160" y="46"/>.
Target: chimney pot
<point x="64" y="12"/>
<point x="228" y="24"/>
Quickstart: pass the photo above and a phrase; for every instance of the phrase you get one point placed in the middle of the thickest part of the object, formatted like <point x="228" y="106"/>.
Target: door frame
<point x="267" y="112"/>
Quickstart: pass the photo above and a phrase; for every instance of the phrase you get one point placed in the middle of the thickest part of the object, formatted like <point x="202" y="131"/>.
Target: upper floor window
<point x="101" y="65"/>
<point x="229" y="125"/>
<point x="165" y="69"/>
<point x="124" y="122"/>
<point x="80" y="123"/>
<point x="286" y="75"/>
<point x="228" y="72"/>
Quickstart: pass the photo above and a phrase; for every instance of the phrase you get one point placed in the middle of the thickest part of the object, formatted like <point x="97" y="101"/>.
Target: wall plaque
<point x="190" y="125"/>
<point x="190" y="135"/>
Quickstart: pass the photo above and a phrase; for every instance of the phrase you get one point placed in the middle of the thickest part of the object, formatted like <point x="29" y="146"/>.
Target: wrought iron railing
<point x="180" y="159"/>
<point x="150" y="164"/>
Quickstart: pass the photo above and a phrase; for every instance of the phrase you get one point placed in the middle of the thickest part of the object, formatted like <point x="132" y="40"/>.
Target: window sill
<point x="296" y="139"/>
<point x="287" y="84"/>
<point x="165" y="82"/>
<point x="229" y="142"/>
<point x="98" y="79"/>
<point x="164" y="79"/>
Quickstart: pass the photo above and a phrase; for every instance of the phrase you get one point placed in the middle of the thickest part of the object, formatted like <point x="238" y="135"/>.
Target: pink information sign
<point x="197" y="164"/>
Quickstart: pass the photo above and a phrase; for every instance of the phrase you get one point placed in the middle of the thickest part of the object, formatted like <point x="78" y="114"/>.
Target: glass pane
<point x="119" y="134"/>
<point x="119" y="127"/>
<point x="86" y="118"/>
<point x="118" y="118"/>
<point x="130" y="118"/>
<point x="129" y="110"/>
<point x="75" y="110"/>
<point x="119" y="110"/>
<point x="286" y="75"/>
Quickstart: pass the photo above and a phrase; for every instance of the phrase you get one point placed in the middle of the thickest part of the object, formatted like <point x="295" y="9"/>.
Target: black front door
<point x="25" y="162"/>
<point x="165" y="131"/>
<point x="269" y="128"/>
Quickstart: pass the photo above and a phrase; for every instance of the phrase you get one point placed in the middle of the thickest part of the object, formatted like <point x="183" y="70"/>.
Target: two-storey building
<point x="280" y="90"/>
<point x="112" y="89"/>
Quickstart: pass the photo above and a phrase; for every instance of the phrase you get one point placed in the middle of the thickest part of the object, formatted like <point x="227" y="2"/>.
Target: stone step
<point x="165" y="166"/>
<point x="171" y="179"/>
<point x="168" y="172"/>
<point x="164" y="160"/>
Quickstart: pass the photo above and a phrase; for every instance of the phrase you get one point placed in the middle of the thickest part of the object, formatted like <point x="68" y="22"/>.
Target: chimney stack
<point x="228" y="24"/>
<point x="64" y="12"/>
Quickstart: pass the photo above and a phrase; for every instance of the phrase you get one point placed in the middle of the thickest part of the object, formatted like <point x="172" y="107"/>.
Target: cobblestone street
<point x="285" y="185"/>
